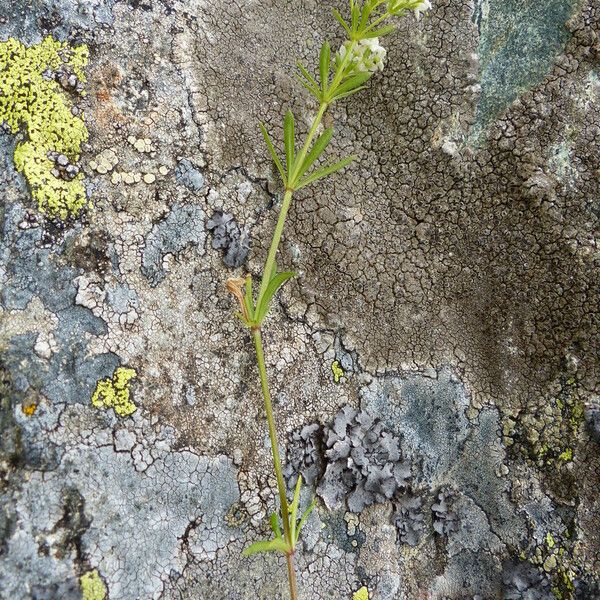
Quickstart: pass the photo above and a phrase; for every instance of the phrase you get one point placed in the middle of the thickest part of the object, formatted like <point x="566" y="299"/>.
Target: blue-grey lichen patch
<point x="364" y="462"/>
<point x="229" y="237"/>
<point x="181" y="228"/>
<point x="189" y="175"/>
<point x="29" y="21"/>
<point x="428" y="413"/>
<point x="139" y="517"/>
<point x="66" y="373"/>
<point x="518" y="44"/>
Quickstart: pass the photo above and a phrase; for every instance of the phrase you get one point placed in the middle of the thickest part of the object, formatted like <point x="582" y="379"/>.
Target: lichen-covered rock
<point x="447" y="286"/>
<point x="364" y="462"/>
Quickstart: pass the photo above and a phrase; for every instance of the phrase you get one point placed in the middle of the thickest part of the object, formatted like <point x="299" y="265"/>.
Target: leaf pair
<point x="279" y="543"/>
<point x="253" y="316"/>
<point x="365" y="19"/>
<point x="344" y="83"/>
<point x="295" y="175"/>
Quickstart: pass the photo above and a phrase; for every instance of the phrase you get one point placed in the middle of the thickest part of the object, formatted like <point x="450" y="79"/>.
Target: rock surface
<point x="442" y="334"/>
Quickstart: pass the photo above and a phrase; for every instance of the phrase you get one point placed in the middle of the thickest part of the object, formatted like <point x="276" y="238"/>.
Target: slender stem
<point x="287" y="198"/>
<point x="289" y="558"/>
<point x="260" y="358"/>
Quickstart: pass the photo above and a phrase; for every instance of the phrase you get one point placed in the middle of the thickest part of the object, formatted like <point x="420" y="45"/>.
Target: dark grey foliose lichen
<point x="229" y="237"/>
<point x="364" y="462"/>
<point x="444" y="520"/>
<point x="305" y="456"/>
<point x="592" y="416"/>
<point x="524" y="581"/>
<point x="409" y="519"/>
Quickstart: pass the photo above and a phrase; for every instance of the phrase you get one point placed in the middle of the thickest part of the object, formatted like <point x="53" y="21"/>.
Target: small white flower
<point x="367" y="55"/>
<point x="422" y="7"/>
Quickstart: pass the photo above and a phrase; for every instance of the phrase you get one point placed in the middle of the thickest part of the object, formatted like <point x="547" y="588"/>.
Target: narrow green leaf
<point x="340" y="20"/>
<point x="276" y="282"/>
<point x="314" y="91"/>
<point x="289" y="138"/>
<point x="275" y="525"/>
<point x="294" y="507"/>
<point x="324" y="64"/>
<point x="276" y="545"/>
<point x="325" y="172"/>
<point x="273" y="270"/>
<point x="316" y="151"/>
<point x="380" y="32"/>
<point x="249" y="298"/>
<point x="273" y="153"/>
<point x="305" y="516"/>
<point x="354" y="91"/>
<point x="307" y="75"/>
<point x="353" y="82"/>
<point x="354" y="14"/>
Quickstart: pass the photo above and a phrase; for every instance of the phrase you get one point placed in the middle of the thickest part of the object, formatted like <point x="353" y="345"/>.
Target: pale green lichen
<point x="114" y="393"/>
<point x="32" y="101"/>
<point x="92" y="587"/>
<point x="362" y="594"/>
<point x="337" y="371"/>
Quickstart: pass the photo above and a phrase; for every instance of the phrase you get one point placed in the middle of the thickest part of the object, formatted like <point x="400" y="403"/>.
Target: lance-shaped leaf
<point x="302" y="521"/>
<point x="340" y="20"/>
<point x="249" y="298"/>
<point x="351" y="85"/>
<point x="276" y="545"/>
<point x="324" y="172"/>
<point x="324" y="64"/>
<point x="308" y="81"/>
<point x="289" y="140"/>
<point x="273" y="153"/>
<point x="380" y="32"/>
<point x="276" y="282"/>
<point x="294" y="507"/>
<point x="315" y="152"/>
<point x="275" y="525"/>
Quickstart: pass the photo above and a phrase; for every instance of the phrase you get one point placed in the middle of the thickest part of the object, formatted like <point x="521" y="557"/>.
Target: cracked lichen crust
<point x="34" y="98"/>
<point x="454" y="283"/>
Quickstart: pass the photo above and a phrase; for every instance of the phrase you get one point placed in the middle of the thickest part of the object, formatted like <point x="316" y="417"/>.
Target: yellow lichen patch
<point x="337" y="371"/>
<point x="32" y="101"/>
<point x="362" y="594"/>
<point x="114" y="393"/>
<point x="29" y="409"/>
<point x="92" y="587"/>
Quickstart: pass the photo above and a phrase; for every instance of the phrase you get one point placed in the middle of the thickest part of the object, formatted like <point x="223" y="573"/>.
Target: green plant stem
<point x="260" y="357"/>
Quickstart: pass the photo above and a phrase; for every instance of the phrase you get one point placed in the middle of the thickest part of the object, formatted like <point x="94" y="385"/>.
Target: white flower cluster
<point x="422" y="7"/>
<point x="366" y="55"/>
